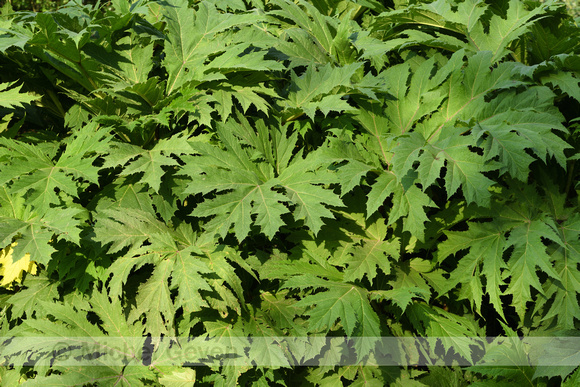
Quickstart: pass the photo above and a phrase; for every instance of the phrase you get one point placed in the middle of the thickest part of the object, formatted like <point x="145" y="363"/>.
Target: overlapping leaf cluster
<point x="234" y="170"/>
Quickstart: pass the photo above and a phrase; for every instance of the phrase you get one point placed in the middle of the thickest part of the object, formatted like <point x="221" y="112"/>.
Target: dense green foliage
<point x="273" y="168"/>
<point x="35" y="5"/>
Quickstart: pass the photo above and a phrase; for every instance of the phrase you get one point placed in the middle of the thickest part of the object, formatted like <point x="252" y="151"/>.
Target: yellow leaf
<point x="14" y="271"/>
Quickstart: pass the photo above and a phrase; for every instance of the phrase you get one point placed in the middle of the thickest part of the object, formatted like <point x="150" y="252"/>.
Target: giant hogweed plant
<point x="243" y="170"/>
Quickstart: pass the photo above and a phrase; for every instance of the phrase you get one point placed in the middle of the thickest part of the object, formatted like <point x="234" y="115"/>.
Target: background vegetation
<point x="35" y="5"/>
<point x="48" y="5"/>
<point x="249" y="171"/>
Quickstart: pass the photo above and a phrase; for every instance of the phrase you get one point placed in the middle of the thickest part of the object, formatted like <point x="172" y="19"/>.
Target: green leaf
<point x="486" y="244"/>
<point x="28" y="301"/>
<point x="565" y="308"/>
<point x="499" y="357"/>
<point x="34" y="235"/>
<point x="194" y="36"/>
<point x="188" y="282"/>
<point x="415" y="101"/>
<point x="503" y="31"/>
<point x="345" y="302"/>
<point x="130" y="228"/>
<point x="154" y="301"/>
<point x="149" y="162"/>
<point x="528" y="254"/>
<point x="444" y="20"/>
<point x="301" y="48"/>
<point x="178" y="378"/>
<point x="71" y="331"/>
<point x="104" y="375"/>
<point x="11" y="97"/>
<point x="464" y="168"/>
<point x="410" y="203"/>
<point x="282" y="310"/>
<point x="124" y="193"/>
<point x="367" y="250"/>
<point x="507" y="147"/>
<point x="365" y="259"/>
<point x="310" y="92"/>
<point x="572" y="379"/>
<point x="138" y="59"/>
<point x="120" y="270"/>
<point x="410" y="275"/>
<point x="310" y="200"/>
<point x="530" y="114"/>
<point x="465" y="90"/>
<point x="448" y="328"/>
<point x="314" y="39"/>
<point x="35" y="174"/>
<point x="567" y="82"/>
<point x="402" y="297"/>
<point x="248" y="192"/>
